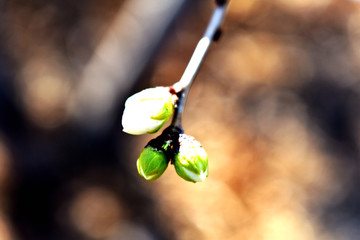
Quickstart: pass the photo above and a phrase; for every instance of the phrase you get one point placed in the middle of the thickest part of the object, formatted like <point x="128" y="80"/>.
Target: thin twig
<point x="183" y="86"/>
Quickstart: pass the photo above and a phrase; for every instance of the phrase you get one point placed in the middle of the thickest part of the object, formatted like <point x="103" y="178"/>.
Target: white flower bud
<point x="148" y="110"/>
<point x="191" y="162"/>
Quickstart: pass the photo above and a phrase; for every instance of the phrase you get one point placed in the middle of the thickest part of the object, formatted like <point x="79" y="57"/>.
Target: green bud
<point x="191" y="162"/>
<point x="152" y="163"/>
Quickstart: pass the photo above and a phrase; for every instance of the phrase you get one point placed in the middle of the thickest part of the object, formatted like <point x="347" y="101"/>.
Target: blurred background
<point x="275" y="105"/>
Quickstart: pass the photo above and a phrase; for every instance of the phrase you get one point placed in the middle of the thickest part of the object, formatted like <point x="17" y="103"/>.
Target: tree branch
<point x="212" y="33"/>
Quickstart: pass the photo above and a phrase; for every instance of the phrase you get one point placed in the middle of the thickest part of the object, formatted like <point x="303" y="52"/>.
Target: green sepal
<point x="165" y="112"/>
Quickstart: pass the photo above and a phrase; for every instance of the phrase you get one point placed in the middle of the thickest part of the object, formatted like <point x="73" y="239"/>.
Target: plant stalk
<point x="183" y="86"/>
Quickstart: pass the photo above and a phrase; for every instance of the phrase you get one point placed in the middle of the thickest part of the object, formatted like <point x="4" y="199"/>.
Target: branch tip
<point x="221" y="2"/>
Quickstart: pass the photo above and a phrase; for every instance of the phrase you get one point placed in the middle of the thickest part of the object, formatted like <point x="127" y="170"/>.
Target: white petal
<point x="136" y="122"/>
<point x="137" y="116"/>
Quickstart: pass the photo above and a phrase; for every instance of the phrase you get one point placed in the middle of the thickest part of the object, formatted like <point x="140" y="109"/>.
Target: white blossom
<point x="147" y="111"/>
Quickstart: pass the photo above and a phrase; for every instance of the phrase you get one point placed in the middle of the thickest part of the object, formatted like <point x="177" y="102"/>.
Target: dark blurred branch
<point x="119" y="60"/>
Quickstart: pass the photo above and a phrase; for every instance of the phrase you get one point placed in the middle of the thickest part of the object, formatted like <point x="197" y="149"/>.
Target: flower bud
<point x="148" y="110"/>
<point x="191" y="162"/>
<point x="152" y="163"/>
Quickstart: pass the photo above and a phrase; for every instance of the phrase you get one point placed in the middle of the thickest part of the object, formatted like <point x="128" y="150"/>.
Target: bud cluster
<point x="187" y="155"/>
<point x="146" y="112"/>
